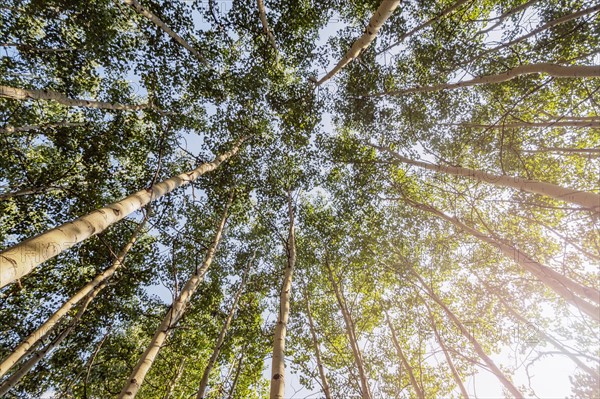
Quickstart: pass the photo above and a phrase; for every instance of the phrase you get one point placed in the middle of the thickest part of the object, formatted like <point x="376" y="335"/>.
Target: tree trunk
<point x="384" y="11"/>
<point x="15" y="378"/>
<point x="173" y="316"/>
<point x="21" y="259"/>
<point x="157" y="21"/>
<point x="554" y="70"/>
<point x="516" y="125"/>
<point x="315" y="341"/>
<point x="478" y="349"/>
<point x="534" y="32"/>
<point x="278" y="362"/>
<point x="560" y="284"/>
<point x="455" y="374"/>
<point x="16" y="93"/>
<point x="364" y="382"/>
<point x="587" y="200"/>
<point x="403" y="359"/>
<point x="21" y="350"/>
<point x="265" y="24"/>
<point x="27" y="128"/>
<point x="173" y="382"/>
<point x="224" y="329"/>
<point x="29" y="191"/>
<point x="424" y="25"/>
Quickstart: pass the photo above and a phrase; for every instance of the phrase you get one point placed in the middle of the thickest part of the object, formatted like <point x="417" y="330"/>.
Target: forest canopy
<point x="299" y="199"/>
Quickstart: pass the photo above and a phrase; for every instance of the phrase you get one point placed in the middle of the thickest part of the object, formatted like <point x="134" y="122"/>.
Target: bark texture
<point x="277" y="390"/>
<point x="385" y="9"/>
<point x="22" y="258"/>
<point x="96" y="284"/>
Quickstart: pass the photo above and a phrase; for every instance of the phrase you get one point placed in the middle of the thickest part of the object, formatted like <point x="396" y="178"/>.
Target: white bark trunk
<point x="262" y="13"/>
<point x="16" y="377"/>
<point x="386" y="8"/>
<point x="513" y="125"/>
<point x="21" y="259"/>
<point x="554" y="70"/>
<point x="277" y="390"/>
<point x="84" y="292"/>
<point x="587" y="200"/>
<point x="173" y="316"/>
<point x="16" y="93"/>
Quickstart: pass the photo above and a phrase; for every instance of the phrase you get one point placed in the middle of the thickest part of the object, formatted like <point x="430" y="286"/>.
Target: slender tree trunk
<point x="534" y="32"/>
<point x="27" y="128"/>
<point x="26" y="47"/>
<point x="478" y="349"/>
<point x="547" y="337"/>
<point x="173" y="382"/>
<point x="238" y="371"/>
<point x="224" y="329"/>
<point x="516" y="125"/>
<point x="364" y="382"/>
<point x="560" y="284"/>
<point x="265" y="24"/>
<point x="384" y="11"/>
<point x="455" y="374"/>
<point x="173" y="316"/>
<point x="315" y="341"/>
<point x="403" y="359"/>
<point x="554" y="70"/>
<point x="424" y="25"/>
<point x="278" y="361"/>
<point x="21" y="259"/>
<point x="165" y="28"/>
<point x="96" y="284"/>
<point x="15" y="378"/>
<point x="16" y="93"/>
<point x="587" y="200"/>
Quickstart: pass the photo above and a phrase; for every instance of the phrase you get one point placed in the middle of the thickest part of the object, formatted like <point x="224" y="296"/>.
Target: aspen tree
<point x="277" y="390"/>
<point x="560" y="284"/>
<point x="22" y="258"/>
<point x="95" y="285"/>
<point x="174" y="314"/>
<point x="584" y="199"/>
<point x="384" y="11"/>
<point x="476" y="345"/>
<point x="554" y="70"/>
